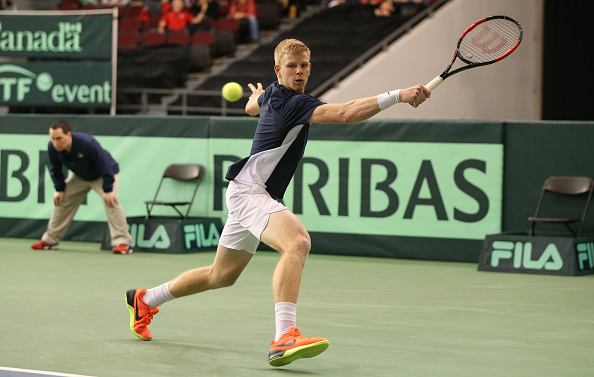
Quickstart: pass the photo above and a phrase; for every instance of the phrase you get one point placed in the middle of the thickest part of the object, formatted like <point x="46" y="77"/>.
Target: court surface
<point x="63" y="311"/>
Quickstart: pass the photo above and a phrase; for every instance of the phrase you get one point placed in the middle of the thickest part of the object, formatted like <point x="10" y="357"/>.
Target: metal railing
<point x="144" y="107"/>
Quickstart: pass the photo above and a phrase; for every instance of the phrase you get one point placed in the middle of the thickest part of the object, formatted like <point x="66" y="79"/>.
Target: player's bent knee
<point x="225" y="279"/>
<point x="301" y="246"/>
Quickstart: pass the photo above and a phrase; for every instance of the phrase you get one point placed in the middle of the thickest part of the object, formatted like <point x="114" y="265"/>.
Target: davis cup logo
<point x="17" y="84"/>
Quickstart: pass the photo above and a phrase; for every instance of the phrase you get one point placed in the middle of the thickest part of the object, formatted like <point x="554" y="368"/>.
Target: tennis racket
<point x="485" y="42"/>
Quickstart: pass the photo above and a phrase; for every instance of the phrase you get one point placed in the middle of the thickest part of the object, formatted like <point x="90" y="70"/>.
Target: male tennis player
<point x="256" y="182"/>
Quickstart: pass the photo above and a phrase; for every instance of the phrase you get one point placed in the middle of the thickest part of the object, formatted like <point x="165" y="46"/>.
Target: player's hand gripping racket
<point x="485" y="42"/>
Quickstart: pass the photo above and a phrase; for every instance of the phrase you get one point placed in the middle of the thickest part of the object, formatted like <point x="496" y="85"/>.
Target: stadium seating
<point x="202" y="50"/>
<point x="180" y="38"/>
<point x="128" y="39"/>
<point x="131" y="12"/>
<point x="151" y="23"/>
<point x="153" y="38"/>
<point x="130" y="24"/>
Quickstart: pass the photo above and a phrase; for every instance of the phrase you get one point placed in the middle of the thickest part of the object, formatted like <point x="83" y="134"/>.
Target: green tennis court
<point x="63" y="311"/>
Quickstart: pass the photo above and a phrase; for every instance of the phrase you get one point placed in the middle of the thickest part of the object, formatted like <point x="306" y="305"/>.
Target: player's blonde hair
<point x="289" y="46"/>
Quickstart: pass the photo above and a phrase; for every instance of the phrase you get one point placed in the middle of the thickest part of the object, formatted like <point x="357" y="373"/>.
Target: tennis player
<point x="255" y="214"/>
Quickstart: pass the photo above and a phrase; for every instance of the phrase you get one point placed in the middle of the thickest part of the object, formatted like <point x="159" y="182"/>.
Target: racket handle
<point x="434" y="83"/>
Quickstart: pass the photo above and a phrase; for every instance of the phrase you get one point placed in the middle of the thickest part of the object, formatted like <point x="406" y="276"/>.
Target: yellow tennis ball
<point x="232" y="91"/>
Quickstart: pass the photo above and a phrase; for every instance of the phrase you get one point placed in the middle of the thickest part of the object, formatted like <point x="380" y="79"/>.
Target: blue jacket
<point x="87" y="159"/>
<point x="279" y="142"/>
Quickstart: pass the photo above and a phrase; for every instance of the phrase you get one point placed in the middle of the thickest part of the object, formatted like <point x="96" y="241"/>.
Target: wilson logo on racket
<point x="489" y="41"/>
<point x="485" y="42"/>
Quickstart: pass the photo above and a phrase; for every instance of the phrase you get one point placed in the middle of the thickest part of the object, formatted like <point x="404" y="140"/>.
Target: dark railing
<point x="144" y="107"/>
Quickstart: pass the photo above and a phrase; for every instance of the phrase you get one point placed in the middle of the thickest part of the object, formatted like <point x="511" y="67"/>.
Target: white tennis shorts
<point x="249" y="208"/>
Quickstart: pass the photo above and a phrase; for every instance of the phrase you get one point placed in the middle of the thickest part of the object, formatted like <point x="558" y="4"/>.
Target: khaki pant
<point x="74" y="194"/>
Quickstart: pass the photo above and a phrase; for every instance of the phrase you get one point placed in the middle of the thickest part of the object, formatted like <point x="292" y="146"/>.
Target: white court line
<point x="39" y="372"/>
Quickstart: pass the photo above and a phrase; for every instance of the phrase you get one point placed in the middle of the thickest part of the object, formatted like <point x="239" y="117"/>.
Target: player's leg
<point x="62" y="215"/>
<point x="224" y="272"/>
<point x="286" y="234"/>
<point x="143" y="304"/>
<point x="235" y="250"/>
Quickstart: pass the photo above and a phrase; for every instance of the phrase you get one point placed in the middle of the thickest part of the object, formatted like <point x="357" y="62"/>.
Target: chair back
<point x="131" y="11"/>
<point x="564" y="187"/>
<point x="569" y="185"/>
<point x="153" y="39"/>
<point x="203" y="38"/>
<point x="130" y="24"/>
<point x="151" y="23"/>
<point x="184" y="172"/>
<point x="179" y="172"/>
<point x="180" y="38"/>
<point x="227" y="24"/>
<point x="128" y="39"/>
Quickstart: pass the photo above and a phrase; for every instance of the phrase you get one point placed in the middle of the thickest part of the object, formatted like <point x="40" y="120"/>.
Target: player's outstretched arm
<point x="362" y="109"/>
<point x="252" y="107"/>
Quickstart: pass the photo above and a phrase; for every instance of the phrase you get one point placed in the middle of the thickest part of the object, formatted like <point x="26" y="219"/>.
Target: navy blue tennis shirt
<point x="87" y="159"/>
<point x="279" y="142"/>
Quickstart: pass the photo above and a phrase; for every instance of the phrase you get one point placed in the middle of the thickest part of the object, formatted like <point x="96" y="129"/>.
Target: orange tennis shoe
<point x="141" y="314"/>
<point x="293" y="346"/>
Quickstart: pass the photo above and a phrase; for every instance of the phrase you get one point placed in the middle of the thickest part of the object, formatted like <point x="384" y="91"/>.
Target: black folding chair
<point x="177" y="172"/>
<point x="564" y="186"/>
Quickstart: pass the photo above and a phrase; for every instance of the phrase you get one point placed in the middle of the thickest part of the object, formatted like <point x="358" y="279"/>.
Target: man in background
<point x="92" y="167"/>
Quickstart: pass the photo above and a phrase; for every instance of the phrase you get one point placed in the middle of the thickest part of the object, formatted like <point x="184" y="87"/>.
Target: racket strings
<point x="489" y="41"/>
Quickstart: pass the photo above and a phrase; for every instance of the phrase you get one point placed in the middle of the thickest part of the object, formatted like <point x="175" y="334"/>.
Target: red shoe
<point x="293" y="346"/>
<point x="42" y="245"/>
<point x="122" y="249"/>
<point x="141" y="314"/>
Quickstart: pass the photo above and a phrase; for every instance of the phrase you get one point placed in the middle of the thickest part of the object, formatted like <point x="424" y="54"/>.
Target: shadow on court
<point x="64" y="311"/>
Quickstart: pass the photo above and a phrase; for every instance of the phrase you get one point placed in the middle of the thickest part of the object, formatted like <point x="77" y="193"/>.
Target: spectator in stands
<point x="92" y="167"/>
<point x="385" y="9"/>
<point x="295" y="7"/>
<point x="209" y="7"/>
<point x="114" y="3"/>
<point x="178" y="19"/>
<point x="334" y="3"/>
<point x="203" y="10"/>
<point x="153" y="8"/>
<point x="165" y="7"/>
<point x="245" y="12"/>
<point x="412" y="7"/>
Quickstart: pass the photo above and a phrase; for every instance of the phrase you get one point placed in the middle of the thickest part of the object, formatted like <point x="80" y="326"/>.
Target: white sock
<point x="157" y="296"/>
<point x="285" y="315"/>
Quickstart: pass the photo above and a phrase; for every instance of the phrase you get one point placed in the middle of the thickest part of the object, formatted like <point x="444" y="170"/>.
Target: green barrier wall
<point x="422" y="190"/>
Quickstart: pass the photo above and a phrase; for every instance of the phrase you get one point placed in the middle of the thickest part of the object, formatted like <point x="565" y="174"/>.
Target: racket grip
<point x="434" y="83"/>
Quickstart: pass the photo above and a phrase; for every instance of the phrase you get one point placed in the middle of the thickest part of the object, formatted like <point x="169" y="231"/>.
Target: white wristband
<point x="388" y="99"/>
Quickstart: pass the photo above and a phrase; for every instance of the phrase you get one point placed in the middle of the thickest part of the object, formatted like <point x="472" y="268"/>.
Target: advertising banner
<point x="171" y="235"/>
<point x="83" y="84"/>
<point x="551" y="255"/>
<point x="391" y="190"/>
<point x="56" y="36"/>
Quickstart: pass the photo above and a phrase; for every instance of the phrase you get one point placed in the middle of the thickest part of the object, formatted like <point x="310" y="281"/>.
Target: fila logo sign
<point x="521" y="255"/>
<point x="159" y="239"/>
<point x="195" y="236"/>
<point x="585" y="255"/>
